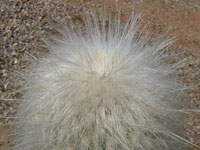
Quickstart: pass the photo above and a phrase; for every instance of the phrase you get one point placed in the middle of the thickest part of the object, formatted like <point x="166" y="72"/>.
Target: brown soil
<point x="181" y="19"/>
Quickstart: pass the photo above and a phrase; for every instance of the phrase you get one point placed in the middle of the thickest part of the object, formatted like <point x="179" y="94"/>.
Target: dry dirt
<point x="24" y="23"/>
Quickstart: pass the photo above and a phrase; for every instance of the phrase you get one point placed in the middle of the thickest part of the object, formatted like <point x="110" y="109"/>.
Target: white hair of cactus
<point x="105" y="89"/>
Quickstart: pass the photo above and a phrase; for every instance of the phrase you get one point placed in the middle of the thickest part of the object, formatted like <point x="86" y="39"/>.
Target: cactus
<point x="105" y="88"/>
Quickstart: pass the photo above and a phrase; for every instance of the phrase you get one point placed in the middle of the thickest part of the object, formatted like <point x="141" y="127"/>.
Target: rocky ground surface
<point x="25" y="23"/>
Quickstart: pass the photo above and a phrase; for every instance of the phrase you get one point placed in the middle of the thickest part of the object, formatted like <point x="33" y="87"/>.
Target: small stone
<point x="15" y="44"/>
<point x="13" y="53"/>
<point x="5" y="113"/>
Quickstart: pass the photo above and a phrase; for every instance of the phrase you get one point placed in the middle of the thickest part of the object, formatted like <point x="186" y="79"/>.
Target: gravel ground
<point x="24" y="23"/>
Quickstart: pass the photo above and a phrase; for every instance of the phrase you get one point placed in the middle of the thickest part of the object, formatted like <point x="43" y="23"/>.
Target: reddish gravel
<point x="24" y="23"/>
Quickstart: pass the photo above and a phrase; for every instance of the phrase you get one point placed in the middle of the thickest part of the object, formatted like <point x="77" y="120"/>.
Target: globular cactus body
<point x="103" y="89"/>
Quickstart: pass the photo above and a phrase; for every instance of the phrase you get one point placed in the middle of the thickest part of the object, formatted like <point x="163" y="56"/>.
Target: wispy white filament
<point x="107" y="88"/>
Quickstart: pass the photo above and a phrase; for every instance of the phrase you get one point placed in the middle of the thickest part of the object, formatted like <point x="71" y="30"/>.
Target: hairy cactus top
<point x="107" y="88"/>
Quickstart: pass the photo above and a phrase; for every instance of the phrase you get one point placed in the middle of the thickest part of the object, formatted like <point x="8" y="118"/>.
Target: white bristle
<point x="107" y="88"/>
